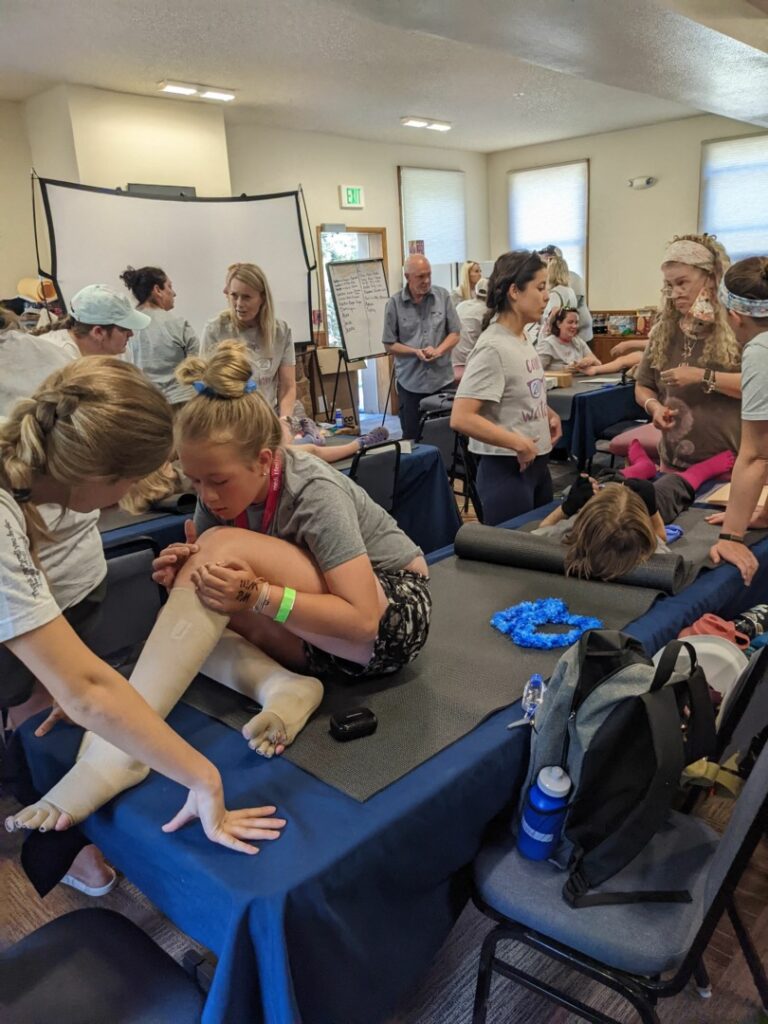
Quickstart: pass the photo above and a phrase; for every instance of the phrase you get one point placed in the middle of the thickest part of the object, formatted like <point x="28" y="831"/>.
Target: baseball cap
<point x="481" y="288"/>
<point x="97" y="304"/>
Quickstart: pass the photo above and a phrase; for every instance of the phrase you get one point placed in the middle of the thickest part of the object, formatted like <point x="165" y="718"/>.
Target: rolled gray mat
<point x="520" y="550"/>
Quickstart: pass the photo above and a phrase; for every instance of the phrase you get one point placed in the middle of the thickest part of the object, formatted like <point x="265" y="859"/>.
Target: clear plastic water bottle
<point x="533" y="695"/>
<point x="545" y="807"/>
<point x="338" y="419"/>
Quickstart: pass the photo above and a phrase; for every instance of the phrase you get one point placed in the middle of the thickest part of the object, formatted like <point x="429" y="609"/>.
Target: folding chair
<point x="644" y="952"/>
<point x="94" y="965"/>
<point x="377" y="469"/>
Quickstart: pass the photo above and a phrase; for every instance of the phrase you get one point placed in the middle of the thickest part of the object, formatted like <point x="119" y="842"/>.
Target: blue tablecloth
<point x="593" y="411"/>
<point x="337" y="921"/>
<point x="425" y="507"/>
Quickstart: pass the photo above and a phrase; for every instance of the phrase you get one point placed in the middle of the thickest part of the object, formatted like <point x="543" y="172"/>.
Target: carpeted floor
<point x="447" y="992"/>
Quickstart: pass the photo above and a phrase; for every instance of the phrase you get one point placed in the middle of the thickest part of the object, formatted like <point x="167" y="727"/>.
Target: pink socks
<point x="639" y="465"/>
<point x="719" y="465"/>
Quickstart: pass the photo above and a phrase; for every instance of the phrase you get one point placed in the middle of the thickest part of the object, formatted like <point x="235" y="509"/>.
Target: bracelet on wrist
<point x="647" y="402"/>
<point x="709" y="382"/>
<point x="286" y="604"/>
<point x="262" y="600"/>
<point x="735" y="538"/>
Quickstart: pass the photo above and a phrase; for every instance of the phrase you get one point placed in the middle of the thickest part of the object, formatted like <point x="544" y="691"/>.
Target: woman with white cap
<point x="689" y="379"/>
<point x="100" y="323"/>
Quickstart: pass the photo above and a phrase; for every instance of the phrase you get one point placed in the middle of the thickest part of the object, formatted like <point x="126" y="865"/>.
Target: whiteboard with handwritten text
<point x="360" y="293"/>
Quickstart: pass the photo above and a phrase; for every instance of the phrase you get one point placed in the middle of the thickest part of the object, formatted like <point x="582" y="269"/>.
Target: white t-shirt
<point x="62" y="339"/>
<point x="561" y="355"/>
<point x="266" y="362"/>
<point x="504" y="372"/>
<point x="74" y="561"/>
<point x="754" y="378"/>
<point x="471" y="313"/>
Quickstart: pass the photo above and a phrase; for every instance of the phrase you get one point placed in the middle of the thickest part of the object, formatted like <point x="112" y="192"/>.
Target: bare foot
<point x="90" y="868"/>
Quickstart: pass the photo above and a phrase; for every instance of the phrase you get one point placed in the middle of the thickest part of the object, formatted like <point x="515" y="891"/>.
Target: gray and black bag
<point x="624" y="730"/>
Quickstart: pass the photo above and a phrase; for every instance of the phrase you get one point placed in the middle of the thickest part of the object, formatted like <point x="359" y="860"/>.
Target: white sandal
<point x="91" y="890"/>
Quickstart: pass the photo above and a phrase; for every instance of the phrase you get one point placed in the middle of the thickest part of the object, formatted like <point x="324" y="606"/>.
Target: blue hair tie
<point x="202" y="389"/>
<point x="673" y="533"/>
<point x="520" y="623"/>
<point x="250" y="385"/>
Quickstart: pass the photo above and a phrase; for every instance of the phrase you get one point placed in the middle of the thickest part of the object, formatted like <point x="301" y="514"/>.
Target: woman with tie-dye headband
<point x="744" y="293"/>
<point x="689" y="380"/>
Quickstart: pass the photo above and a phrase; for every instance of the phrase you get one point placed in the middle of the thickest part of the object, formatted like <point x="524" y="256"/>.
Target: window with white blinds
<point x="548" y="206"/>
<point x="433" y="212"/>
<point x="734" y="194"/>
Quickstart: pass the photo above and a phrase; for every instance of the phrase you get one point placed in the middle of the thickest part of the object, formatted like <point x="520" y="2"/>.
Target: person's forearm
<point x="728" y="384"/>
<point x="397" y="348"/>
<point x="478" y="427"/>
<point x="747" y="481"/>
<point x="557" y="515"/>
<point x="449" y="342"/>
<point x="97" y="697"/>
<point x="643" y="396"/>
<point x="287" y="399"/>
<point x="326" y="615"/>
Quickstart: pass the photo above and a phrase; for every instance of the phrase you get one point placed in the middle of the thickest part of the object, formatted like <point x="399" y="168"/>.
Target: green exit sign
<point x="351" y="197"/>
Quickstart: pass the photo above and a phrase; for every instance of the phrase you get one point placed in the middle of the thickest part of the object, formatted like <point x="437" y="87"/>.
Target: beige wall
<point x="17" y="248"/>
<point x="627" y="228"/>
<point x="121" y="139"/>
<point x="266" y="159"/>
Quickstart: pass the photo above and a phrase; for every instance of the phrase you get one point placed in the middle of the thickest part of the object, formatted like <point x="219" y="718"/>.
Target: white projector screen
<point x="96" y="233"/>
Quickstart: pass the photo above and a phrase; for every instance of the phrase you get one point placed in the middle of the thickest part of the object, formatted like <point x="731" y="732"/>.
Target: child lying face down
<point x="608" y="531"/>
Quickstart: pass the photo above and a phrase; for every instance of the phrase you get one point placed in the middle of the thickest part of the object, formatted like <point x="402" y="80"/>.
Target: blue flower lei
<point x="520" y="623"/>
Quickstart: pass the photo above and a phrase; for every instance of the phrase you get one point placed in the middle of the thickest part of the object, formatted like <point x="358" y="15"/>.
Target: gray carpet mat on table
<point x="466" y="671"/>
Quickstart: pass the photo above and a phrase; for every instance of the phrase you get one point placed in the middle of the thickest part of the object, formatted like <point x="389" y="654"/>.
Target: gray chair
<point x="377" y="469"/>
<point x="643" y="951"/>
<point x="92" y="966"/>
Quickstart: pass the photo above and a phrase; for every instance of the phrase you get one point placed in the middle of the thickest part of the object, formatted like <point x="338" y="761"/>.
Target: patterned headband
<point x="203" y="389"/>
<point x="693" y="254"/>
<point x="740" y="304"/>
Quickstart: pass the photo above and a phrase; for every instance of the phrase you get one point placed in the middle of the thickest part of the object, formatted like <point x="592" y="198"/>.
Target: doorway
<point x="354" y="244"/>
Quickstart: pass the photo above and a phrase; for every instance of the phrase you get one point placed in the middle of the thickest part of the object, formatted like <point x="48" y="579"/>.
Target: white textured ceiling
<point x="353" y="67"/>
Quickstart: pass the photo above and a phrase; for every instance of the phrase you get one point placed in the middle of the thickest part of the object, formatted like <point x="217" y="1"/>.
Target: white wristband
<point x="645" y="404"/>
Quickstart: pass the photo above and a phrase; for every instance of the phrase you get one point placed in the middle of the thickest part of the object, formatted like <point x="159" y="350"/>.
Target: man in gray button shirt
<point x="421" y="327"/>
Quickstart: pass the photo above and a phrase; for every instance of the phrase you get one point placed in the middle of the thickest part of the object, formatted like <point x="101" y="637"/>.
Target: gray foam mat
<point x="466" y="671"/>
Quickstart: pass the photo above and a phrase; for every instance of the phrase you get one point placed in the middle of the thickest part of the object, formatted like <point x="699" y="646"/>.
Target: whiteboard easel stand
<point x="353" y="396"/>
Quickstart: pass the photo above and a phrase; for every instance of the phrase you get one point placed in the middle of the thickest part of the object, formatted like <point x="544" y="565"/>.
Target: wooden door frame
<point x="383" y="366"/>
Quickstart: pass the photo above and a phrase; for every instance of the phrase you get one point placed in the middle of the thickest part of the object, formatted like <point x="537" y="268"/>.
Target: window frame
<point x="702" y="150"/>
<point x="401" y="208"/>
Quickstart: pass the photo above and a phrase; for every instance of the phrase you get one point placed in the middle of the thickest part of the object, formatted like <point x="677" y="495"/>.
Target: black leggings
<point x="505" y="492"/>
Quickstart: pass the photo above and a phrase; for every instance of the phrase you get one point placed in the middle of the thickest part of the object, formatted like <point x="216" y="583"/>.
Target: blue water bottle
<point x="338" y="419"/>
<point x="544" y="814"/>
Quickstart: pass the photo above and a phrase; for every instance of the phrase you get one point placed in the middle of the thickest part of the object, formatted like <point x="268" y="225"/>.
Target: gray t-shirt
<point x="754" y="378"/>
<point x="159" y="348"/>
<point x="504" y="372"/>
<point x="706" y="424"/>
<point x="266" y="361"/>
<point x="73" y="560"/>
<point x="322" y="511"/>
<point x="471" y="313"/>
<point x="585" y="316"/>
<point x="561" y="355"/>
<point x="421" y="325"/>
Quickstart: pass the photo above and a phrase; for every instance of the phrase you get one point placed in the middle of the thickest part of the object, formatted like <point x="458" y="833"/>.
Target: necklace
<point x="688" y="343"/>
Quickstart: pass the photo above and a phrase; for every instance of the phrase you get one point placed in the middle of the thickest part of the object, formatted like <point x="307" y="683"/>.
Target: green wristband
<point x="286" y="604"/>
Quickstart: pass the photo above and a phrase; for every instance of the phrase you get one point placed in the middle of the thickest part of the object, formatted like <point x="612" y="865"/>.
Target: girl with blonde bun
<point x="85" y="435"/>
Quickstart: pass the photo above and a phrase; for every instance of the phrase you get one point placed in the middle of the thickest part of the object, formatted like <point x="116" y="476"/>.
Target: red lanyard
<point x="273" y="496"/>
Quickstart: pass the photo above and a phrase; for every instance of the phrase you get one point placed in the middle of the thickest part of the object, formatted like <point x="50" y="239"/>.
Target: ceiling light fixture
<point x="204" y="92"/>
<point x="178" y="88"/>
<point x="414" y="122"/>
<point x="440" y="126"/>
<point x="217" y="94"/>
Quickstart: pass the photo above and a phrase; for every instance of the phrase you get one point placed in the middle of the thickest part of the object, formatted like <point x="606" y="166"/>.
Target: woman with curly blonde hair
<point x="689" y="380"/>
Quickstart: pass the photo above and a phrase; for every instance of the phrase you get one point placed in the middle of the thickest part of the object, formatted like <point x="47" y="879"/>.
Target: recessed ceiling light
<point x="518" y="95"/>
<point x="439" y="126"/>
<point x="216" y="94"/>
<point x="414" y="122"/>
<point x="178" y="88"/>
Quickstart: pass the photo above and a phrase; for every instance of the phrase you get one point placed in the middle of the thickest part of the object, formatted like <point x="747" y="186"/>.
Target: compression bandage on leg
<point x="182" y="638"/>
<point x="287" y="698"/>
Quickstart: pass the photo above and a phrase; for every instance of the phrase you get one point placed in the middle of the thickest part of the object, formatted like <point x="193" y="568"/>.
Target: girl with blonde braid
<point x="87" y="433"/>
